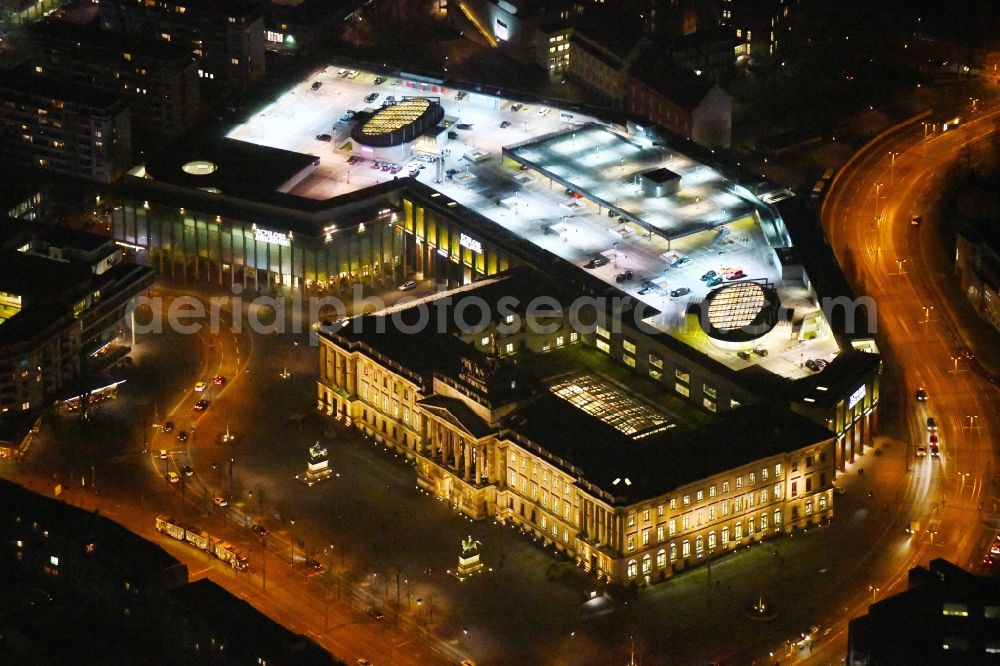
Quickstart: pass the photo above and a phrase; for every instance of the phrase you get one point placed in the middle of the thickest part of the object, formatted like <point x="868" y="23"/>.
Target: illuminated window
<point x="682" y="375"/>
<point x="725" y="486"/>
<point x="753" y="478"/>
<point x="661" y="559"/>
<point x="604" y="346"/>
<point x="738" y="530"/>
<point x="628" y="345"/>
<point x="629" y="360"/>
<point x="699" y="496"/>
<point x="645" y="537"/>
<point x="958" y="610"/>
<point x="711" y="491"/>
<point x="673" y="503"/>
<point x="777" y="517"/>
<point x="673" y="552"/>
<point x="631" y="568"/>
<point x="777" y="469"/>
<point x="686" y="548"/>
<point x="647" y="564"/>
<point x="685" y="521"/>
<point x="699" y="546"/>
<point x="659" y="533"/>
<point x="631" y="542"/>
<point x="725" y="535"/>
<point x="673" y="526"/>
<point x="739" y="482"/>
<point x="809" y="508"/>
<point x="603" y="332"/>
<point x="687" y="500"/>
<point x="763" y="521"/>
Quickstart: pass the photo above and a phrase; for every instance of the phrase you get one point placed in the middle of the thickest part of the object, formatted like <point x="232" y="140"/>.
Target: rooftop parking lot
<point x="570" y="186"/>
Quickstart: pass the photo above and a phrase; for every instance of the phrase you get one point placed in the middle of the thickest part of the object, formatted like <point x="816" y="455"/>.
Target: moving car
<point x="376" y="613"/>
<point x="680" y="291"/>
<point x="921" y="451"/>
<point x="163" y="454"/>
<point x="259" y="529"/>
<point x="200" y="386"/>
<point x="935" y="450"/>
<point x="317" y="85"/>
<point x="312" y="564"/>
<point x="201" y="405"/>
<point x="182" y="436"/>
<point x="172" y="477"/>
<point x="167" y="427"/>
<point x="220" y="500"/>
<point x="596" y="262"/>
<point x="219" y="380"/>
<point x="624" y="276"/>
<point x="915" y="220"/>
<point x="921" y="395"/>
<point x="324" y="137"/>
<point x="989" y="560"/>
<point x="408" y="285"/>
<point x="187" y="470"/>
<point x="931" y="424"/>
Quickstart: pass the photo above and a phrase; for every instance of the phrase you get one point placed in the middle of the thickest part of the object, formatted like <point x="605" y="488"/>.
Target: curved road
<point x="906" y="269"/>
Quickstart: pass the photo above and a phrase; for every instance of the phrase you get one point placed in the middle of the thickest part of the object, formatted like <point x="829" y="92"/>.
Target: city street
<point x="910" y="274"/>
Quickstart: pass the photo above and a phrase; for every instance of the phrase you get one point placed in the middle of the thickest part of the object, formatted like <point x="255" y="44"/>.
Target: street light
<point x="927" y="313"/>
<point x="874" y="590"/>
<point x="900" y="263"/>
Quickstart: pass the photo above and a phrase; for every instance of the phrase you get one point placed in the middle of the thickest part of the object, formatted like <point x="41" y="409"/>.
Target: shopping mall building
<point x="712" y="396"/>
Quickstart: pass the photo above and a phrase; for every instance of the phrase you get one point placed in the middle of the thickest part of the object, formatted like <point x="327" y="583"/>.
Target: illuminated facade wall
<point x="416" y="242"/>
<point x="510" y="479"/>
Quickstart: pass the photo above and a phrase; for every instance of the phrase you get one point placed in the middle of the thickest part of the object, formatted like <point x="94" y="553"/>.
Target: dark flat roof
<point x="659" y="463"/>
<point x="87" y="37"/>
<point x="244" y="629"/>
<point x="122" y="548"/>
<point x="42" y="86"/>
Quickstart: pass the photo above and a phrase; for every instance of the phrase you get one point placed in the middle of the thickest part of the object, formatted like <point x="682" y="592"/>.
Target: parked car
<point x="391" y="99"/>
<point x="680" y="262"/>
<point x="372" y="97"/>
<point x="708" y="276"/>
<point x="409" y="285"/>
<point x="324" y="137"/>
<point x="187" y="470"/>
<point x="760" y="351"/>
<point x="379" y="80"/>
<point x="544" y="111"/>
<point x="172" y="477"/>
<point x="461" y="95"/>
<point x="735" y="274"/>
<point x="713" y="281"/>
<point x="743" y="354"/>
<point x="596" y="262"/>
<point x="317" y="85"/>
<point x="680" y="291"/>
<point x="504" y="124"/>
<point x="182" y="436"/>
<point x="812" y="365"/>
<point x="341" y="73"/>
<point x="463" y="126"/>
<point x="516" y="107"/>
<point x="353" y="74"/>
<point x="167" y="427"/>
<point x="624" y="276"/>
<point x="921" y="395"/>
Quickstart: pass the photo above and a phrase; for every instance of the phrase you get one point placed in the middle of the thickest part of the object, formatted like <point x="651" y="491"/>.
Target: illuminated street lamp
<point x="874" y="590"/>
<point x="900" y="264"/>
<point x="927" y="313"/>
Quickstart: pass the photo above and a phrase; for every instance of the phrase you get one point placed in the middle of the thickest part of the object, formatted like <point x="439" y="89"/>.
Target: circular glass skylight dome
<point x="200" y="168"/>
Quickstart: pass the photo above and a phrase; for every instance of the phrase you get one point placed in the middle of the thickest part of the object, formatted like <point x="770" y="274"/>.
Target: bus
<point x="202" y="541"/>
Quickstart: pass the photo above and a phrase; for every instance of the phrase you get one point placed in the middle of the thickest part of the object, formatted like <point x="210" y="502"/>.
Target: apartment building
<point x="159" y="79"/>
<point x="64" y="128"/>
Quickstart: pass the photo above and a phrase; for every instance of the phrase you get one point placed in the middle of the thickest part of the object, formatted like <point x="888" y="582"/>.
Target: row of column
<point x="456" y="452"/>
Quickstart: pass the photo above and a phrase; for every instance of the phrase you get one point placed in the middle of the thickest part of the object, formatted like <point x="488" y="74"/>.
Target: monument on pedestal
<point x="468" y="562"/>
<point x="318" y="468"/>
